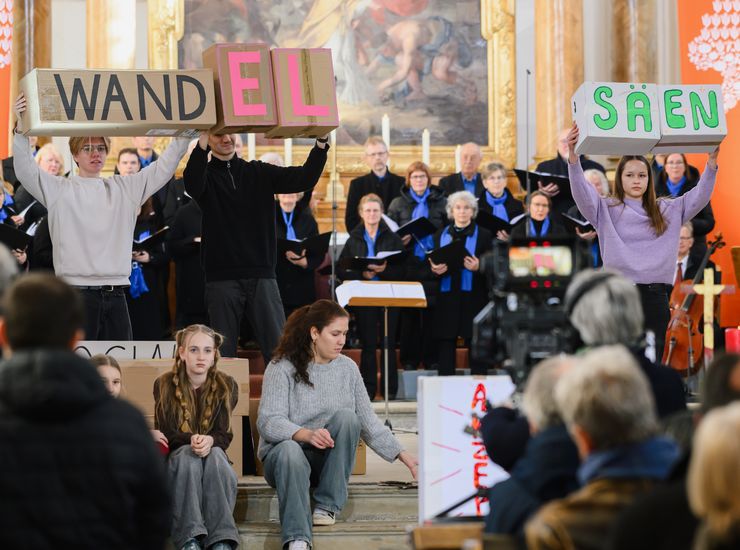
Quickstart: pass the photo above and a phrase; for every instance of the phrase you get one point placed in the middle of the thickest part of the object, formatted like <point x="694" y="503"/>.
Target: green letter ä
<point x="633" y="111"/>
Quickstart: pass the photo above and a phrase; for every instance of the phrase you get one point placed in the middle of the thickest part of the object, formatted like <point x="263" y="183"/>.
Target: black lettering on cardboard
<point x="181" y="79"/>
<point x="78" y="348"/>
<point x="119" y="97"/>
<point x="110" y="349"/>
<point x="157" y="353"/>
<point x="166" y="107"/>
<point x="78" y="92"/>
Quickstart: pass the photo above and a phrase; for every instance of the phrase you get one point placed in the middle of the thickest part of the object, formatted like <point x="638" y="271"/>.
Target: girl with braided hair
<point x="313" y="411"/>
<point x="193" y="404"/>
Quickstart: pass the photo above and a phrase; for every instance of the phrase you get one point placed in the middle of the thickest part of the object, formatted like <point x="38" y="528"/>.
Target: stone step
<point x="360" y="535"/>
<point x="366" y="503"/>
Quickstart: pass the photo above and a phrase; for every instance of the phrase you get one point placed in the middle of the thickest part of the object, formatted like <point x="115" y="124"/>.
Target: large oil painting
<point x="422" y="62"/>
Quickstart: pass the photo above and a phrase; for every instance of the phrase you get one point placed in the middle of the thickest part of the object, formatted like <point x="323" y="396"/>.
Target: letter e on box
<point x="245" y="97"/>
<point x="692" y="118"/>
<point x="616" y="118"/>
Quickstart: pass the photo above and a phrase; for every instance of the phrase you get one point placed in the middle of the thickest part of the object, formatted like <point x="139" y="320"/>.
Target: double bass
<point x="685" y="345"/>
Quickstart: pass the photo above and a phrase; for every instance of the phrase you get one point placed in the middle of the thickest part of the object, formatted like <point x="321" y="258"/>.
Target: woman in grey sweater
<point x="313" y="411"/>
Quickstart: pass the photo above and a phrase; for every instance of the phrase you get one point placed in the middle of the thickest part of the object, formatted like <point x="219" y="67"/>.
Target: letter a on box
<point x="616" y="118"/>
<point x="245" y="98"/>
<point x="305" y="93"/>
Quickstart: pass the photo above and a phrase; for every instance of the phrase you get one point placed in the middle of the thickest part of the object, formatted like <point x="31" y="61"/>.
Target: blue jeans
<point x="293" y="468"/>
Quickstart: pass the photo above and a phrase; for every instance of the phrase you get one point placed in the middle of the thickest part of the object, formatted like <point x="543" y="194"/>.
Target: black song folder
<point x="314" y="246"/>
<point x="451" y="254"/>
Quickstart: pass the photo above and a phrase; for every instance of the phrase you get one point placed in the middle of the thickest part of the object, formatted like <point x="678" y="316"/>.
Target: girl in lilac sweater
<point x="639" y="234"/>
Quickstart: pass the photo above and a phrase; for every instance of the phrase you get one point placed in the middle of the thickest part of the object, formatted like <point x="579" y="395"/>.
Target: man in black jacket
<point x="380" y="181"/>
<point x="79" y="468"/>
<point x="468" y="178"/>
<point x="238" y="248"/>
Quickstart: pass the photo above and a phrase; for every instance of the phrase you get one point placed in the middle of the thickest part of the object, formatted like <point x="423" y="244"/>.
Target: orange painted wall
<point x="726" y="198"/>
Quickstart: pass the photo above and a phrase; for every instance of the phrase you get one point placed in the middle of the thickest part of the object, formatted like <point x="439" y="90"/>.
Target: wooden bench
<point x="138" y="382"/>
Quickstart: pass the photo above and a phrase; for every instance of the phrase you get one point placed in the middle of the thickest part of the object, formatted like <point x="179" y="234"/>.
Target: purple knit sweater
<point x="627" y="240"/>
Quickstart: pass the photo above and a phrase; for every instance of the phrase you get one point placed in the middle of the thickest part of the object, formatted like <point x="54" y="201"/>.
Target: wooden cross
<point x="708" y="290"/>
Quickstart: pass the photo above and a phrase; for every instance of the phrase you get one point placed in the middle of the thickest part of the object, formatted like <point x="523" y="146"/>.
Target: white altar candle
<point x="458" y="165"/>
<point x="425" y="146"/>
<point x="288" y="152"/>
<point x="251" y="147"/>
<point x="333" y="138"/>
<point x="386" y="130"/>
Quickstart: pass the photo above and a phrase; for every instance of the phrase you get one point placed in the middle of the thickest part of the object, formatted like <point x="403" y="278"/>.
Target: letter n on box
<point x="245" y="97"/>
<point x="305" y="93"/>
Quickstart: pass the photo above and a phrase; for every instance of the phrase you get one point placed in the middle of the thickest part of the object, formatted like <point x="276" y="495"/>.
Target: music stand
<point x="385" y="294"/>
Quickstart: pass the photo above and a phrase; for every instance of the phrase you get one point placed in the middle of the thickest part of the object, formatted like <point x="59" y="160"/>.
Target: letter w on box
<point x="117" y="103"/>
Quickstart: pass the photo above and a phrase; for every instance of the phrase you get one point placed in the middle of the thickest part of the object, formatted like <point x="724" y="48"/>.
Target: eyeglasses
<point x="418" y="176"/>
<point x="380" y="154"/>
<point x="88" y="149"/>
<point x="675" y="163"/>
<point x="685" y="238"/>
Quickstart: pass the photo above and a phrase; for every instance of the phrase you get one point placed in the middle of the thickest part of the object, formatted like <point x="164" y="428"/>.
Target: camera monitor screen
<point x="530" y="262"/>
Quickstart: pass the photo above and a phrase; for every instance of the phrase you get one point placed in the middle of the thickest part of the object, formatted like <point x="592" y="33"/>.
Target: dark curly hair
<point x="295" y="343"/>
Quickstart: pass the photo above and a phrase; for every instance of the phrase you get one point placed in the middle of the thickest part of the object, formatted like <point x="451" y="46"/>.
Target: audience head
<point x="598" y="180"/>
<point x="288" y="201"/>
<point x="8" y="270"/>
<point x="675" y="167"/>
<point x="110" y="371"/>
<point x="238" y="144"/>
<point x="418" y="177"/>
<point x="222" y="145"/>
<point x="685" y="239"/>
<point x="494" y="178"/>
<point x="272" y="157"/>
<point x="462" y="208"/>
<point x="470" y="158"/>
<point x="539" y="205"/>
<point x="128" y="161"/>
<point x="144" y="145"/>
<point x="50" y="160"/>
<point x="538" y="401"/>
<point x="317" y="333"/>
<point x="376" y="155"/>
<point x="605" y="308"/>
<point x="195" y="368"/>
<point x="370" y="209"/>
<point x="41" y="311"/>
<point x="562" y="144"/>
<point x="89" y="153"/>
<point x="606" y="401"/>
<point x="714" y="476"/>
<point x="721" y="384"/>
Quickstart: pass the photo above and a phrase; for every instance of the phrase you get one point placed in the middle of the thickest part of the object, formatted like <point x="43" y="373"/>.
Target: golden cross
<point x="708" y="289"/>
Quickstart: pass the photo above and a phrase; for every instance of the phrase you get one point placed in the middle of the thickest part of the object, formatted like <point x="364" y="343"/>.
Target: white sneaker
<point x="323" y="517"/>
<point x="298" y="545"/>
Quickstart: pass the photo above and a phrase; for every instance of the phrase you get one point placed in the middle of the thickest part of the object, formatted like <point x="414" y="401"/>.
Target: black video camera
<point x="525" y="321"/>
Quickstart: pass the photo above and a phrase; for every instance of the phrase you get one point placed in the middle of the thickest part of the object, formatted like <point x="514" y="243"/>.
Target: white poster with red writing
<point x="453" y="462"/>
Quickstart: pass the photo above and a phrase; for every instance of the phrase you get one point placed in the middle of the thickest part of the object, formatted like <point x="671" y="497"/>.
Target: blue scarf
<point x="466" y="277"/>
<point x="288" y="218"/>
<point x="675" y="188"/>
<point x="145" y="162"/>
<point x="138" y="284"/>
<point x="469" y="185"/>
<point x="371" y="248"/>
<point x="497" y="205"/>
<point x="545" y="228"/>
<point x="595" y="252"/>
<point x="421" y="210"/>
<point x="650" y="459"/>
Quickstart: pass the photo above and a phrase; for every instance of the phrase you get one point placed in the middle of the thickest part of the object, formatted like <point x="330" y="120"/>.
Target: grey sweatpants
<point x="203" y="497"/>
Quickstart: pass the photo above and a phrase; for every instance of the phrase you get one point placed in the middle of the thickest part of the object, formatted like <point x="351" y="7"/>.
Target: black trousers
<point x="417" y="337"/>
<point x="657" y="313"/>
<point x="226" y="301"/>
<point x="370" y="331"/>
<point x="106" y="313"/>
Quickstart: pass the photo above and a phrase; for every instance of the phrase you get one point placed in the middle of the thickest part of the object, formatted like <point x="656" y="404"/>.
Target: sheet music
<point x="27" y="208"/>
<point x="354" y="289"/>
<point x="393" y="226"/>
<point x="408" y="291"/>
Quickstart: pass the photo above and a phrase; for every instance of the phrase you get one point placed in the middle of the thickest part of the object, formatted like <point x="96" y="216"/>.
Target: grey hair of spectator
<point x="690" y="226"/>
<point x="461" y="196"/>
<point x="273" y="158"/>
<point x="538" y="401"/>
<point x="608" y="397"/>
<point x="603" y="182"/>
<point x="8" y="268"/>
<point x="609" y="313"/>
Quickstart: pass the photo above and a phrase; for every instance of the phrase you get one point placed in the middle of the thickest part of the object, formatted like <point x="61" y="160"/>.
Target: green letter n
<point x="711" y="119"/>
